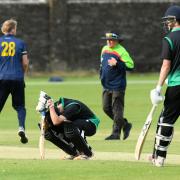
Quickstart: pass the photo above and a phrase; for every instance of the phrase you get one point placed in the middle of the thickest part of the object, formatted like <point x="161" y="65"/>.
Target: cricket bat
<point x="144" y="132"/>
<point x="41" y="138"/>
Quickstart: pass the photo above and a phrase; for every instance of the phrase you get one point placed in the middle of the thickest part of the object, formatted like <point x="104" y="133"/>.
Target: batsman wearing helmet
<point x="170" y="69"/>
<point x="115" y="61"/>
<point x="68" y="122"/>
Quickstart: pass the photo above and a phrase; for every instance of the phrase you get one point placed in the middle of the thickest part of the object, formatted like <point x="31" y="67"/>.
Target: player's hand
<point x="50" y="103"/>
<point x="155" y="95"/>
<point x="112" y="62"/>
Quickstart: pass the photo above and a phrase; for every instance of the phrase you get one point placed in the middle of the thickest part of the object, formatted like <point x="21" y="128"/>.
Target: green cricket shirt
<point x="171" y="51"/>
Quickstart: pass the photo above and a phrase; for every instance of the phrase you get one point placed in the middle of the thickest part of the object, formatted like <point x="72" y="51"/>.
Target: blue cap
<point x="172" y="11"/>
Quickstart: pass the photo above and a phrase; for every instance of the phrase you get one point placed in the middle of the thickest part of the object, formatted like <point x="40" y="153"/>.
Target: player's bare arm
<point x="164" y="71"/>
<point x="25" y="63"/>
<point x="57" y="120"/>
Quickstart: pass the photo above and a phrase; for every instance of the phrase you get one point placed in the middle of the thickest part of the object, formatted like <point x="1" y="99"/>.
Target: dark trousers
<point x="71" y="137"/>
<point x="16" y="89"/>
<point x="86" y="126"/>
<point x="167" y="119"/>
<point x="58" y="139"/>
<point x="113" y="106"/>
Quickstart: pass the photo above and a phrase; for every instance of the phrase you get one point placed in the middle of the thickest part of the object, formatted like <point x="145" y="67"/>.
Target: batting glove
<point x="155" y="95"/>
<point x="42" y="104"/>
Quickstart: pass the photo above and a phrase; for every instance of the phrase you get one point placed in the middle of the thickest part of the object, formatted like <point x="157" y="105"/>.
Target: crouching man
<point x="68" y="122"/>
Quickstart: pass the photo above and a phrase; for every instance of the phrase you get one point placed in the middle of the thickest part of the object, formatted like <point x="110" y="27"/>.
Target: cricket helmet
<point x="171" y="15"/>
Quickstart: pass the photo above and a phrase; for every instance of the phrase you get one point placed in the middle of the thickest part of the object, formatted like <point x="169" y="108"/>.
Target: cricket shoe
<point x="82" y="157"/>
<point x="68" y="157"/>
<point x="158" y="162"/>
<point x="22" y="135"/>
<point x="112" y="137"/>
<point x="126" y="130"/>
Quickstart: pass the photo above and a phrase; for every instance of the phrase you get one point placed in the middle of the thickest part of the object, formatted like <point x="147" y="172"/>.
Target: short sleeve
<point x="166" y="49"/>
<point x="24" y="48"/>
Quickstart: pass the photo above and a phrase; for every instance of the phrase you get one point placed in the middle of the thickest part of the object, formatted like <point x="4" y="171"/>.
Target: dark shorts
<point x="16" y="89"/>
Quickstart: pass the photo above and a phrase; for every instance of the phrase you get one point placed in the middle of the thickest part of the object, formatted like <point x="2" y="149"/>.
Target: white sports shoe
<point x="82" y="157"/>
<point x="68" y="157"/>
<point x="159" y="161"/>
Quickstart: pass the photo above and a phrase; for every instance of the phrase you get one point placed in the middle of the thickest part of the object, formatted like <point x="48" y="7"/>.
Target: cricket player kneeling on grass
<point x="68" y="122"/>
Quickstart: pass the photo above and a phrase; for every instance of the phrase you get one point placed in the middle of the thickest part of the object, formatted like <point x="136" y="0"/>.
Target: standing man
<point x="13" y="64"/>
<point x="115" y="61"/>
<point x="171" y="69"/>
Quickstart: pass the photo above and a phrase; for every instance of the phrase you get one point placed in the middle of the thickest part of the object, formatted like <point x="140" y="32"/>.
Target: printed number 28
<point x="8" y="48"/>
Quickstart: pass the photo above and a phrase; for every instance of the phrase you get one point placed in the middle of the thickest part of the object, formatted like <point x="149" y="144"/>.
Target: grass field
<point x="112" y="159"/>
